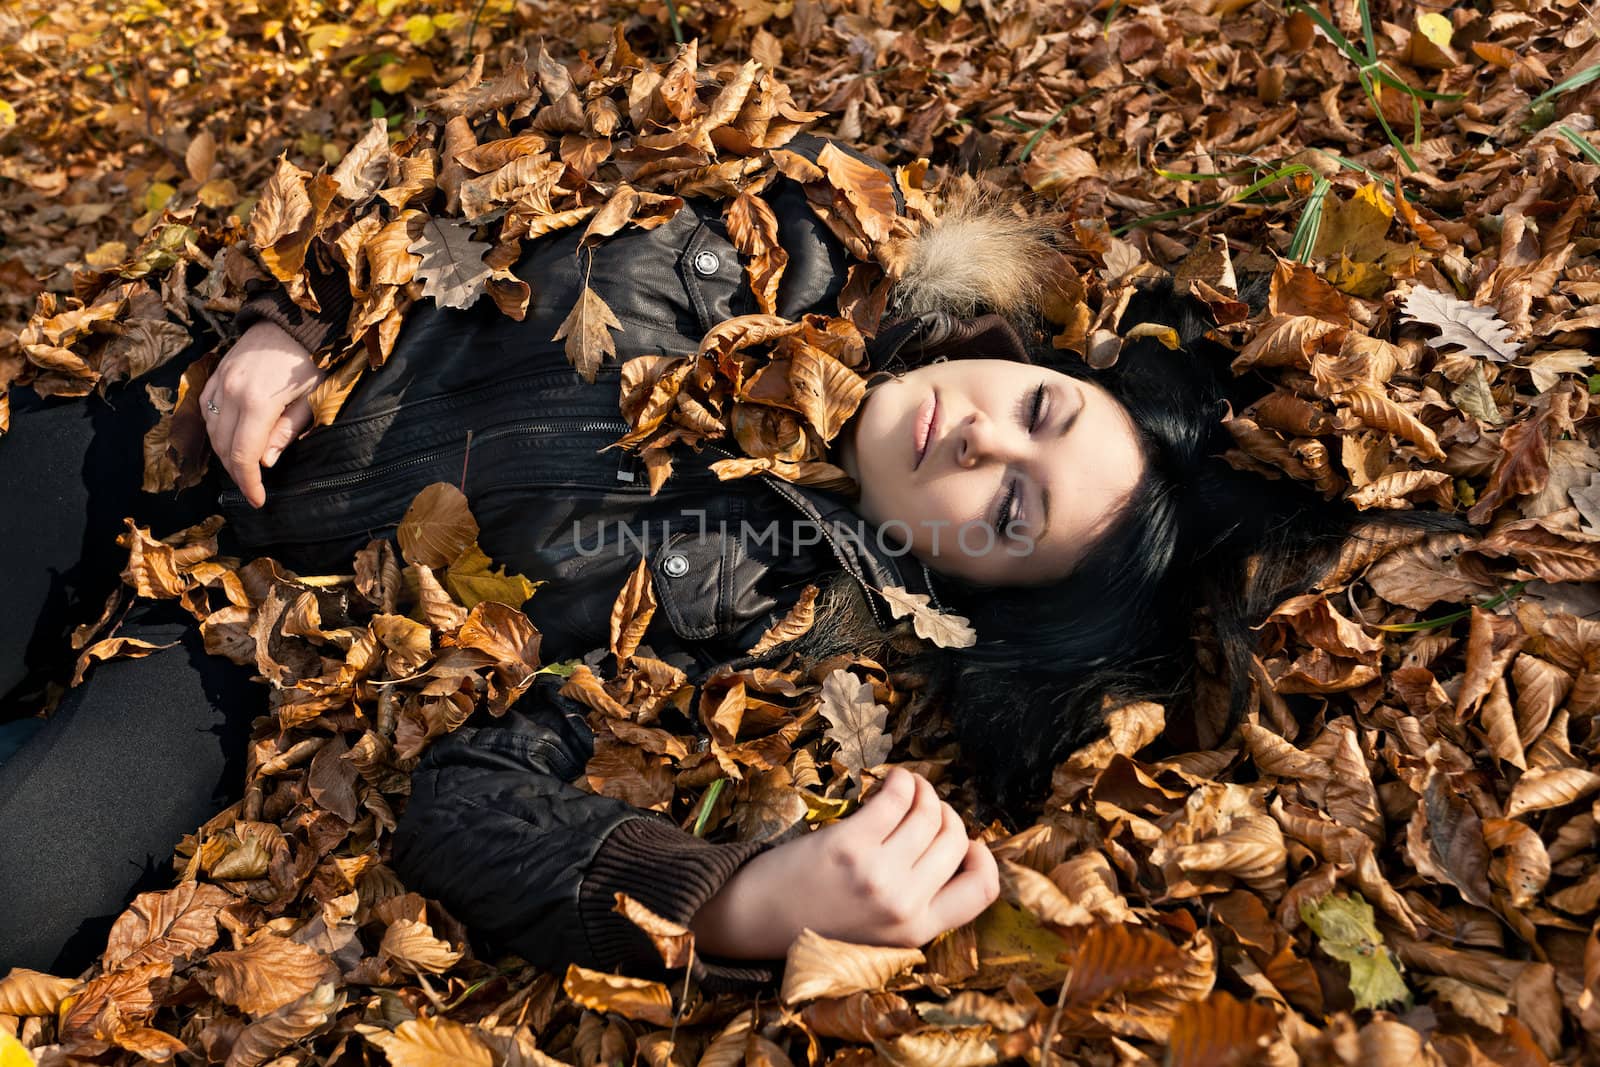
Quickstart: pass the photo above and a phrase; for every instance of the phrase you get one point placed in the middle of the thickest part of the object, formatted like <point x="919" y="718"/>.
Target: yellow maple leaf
<point x="473" y="578"/>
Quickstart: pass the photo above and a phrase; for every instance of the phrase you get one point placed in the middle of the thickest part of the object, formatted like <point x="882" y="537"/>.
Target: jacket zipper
<point x="566" y="424"/>
<point x="779" y="486"/>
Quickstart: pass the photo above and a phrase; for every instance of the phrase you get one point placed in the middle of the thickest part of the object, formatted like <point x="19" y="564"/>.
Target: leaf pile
<point x="1392" y="861"/>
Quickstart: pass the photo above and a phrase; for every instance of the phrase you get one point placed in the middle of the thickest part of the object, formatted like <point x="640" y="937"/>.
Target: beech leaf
<point x="817" y="966"/>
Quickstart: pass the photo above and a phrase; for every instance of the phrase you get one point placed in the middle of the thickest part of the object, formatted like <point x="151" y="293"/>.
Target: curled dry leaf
<point x="431" y="1041"/>
<point x="414" y="946"/>
<point x="672" y="940"/>
<point x="817" y="966"/>
<point x="26" y="992"/>
<point x="631" y="998"/>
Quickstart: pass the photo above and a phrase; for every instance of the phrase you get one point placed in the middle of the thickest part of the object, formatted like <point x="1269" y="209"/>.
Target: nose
<point x="979" y="439"/>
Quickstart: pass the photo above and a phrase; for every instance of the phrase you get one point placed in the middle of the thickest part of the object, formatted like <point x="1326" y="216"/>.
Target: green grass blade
<point x="1033" y="142"/>
<point x="1394" y="138"/>
<point x="707" y="802"/>
<point x="1310" y="225"/>
<point x="1578" y="80"/>
<point x="1582" y="143"/>
<point x="1366" y="28"/>
<point x="1364" y="169"/>
<point x="1334" y="34"/>
<point x="1455" y="616"/>
<point x="1186" y="176"/>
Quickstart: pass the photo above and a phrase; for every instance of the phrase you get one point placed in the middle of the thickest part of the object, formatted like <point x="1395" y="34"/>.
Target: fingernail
<point x="271" y="457"/>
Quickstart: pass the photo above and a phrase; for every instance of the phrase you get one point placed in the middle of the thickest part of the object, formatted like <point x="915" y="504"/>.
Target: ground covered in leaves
<point x="1392" y="861"/>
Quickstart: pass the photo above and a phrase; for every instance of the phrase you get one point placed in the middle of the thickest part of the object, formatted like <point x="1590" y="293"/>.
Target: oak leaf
<point x="1478" y="330"/>
<point x="452" y="269"/>
<point x="856" y="721"/>
<point x="945" y="629"/>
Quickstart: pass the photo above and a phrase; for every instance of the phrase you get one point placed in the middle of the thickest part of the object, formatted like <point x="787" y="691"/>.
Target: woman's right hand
<point x="899" y="871"/>
<point x="255" y="403"/>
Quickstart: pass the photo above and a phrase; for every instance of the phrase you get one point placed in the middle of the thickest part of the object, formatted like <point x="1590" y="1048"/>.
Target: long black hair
<point x="1198" y="545"/>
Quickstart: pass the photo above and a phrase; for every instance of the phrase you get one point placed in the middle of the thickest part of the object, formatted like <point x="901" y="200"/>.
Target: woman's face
<point x="991" y="470"/>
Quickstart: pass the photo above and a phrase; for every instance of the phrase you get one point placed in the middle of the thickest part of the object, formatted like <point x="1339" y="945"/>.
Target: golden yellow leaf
<point x="431" y="1041"/>
<point x="472" y="578"/>
<point x="631" y="998"/>
<point x="28" y="992"/>
<point x="414" y="947"/>
<point x="13" y="1053"/>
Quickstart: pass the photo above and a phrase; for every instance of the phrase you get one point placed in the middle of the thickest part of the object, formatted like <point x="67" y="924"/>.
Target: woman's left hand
<point x="255" y="403"/>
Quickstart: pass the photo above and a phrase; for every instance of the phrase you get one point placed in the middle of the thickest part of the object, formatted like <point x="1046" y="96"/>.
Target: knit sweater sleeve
<point x="495" y="831"/>
<point x="269" y="301"/>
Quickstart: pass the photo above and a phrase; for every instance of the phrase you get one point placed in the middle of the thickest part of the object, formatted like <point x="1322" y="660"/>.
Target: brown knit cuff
<point x="316" y="331"/>
<point x="673" y="873"/>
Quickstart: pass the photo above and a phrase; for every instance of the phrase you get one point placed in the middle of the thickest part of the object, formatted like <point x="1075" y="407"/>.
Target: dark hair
<point x="1195" y="538"/>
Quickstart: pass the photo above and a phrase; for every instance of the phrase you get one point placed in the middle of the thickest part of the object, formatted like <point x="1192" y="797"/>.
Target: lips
<point x="923" y="426"/>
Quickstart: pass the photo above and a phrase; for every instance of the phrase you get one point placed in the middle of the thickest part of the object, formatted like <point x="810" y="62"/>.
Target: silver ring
<point x="211" y="406"/>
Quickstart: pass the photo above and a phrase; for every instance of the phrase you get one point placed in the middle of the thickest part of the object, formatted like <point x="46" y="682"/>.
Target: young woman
<point x="1075" y="517"/>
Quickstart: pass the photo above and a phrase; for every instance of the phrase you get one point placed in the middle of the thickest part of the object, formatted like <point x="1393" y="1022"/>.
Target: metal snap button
<point x="676" y="565"/>
<point x="707" y="263"/>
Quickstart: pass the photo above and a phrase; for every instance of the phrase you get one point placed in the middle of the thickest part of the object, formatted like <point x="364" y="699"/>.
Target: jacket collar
<point x="857" y="546"/>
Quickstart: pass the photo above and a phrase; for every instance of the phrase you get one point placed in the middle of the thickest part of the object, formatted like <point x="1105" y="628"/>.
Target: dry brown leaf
<point x="857" y="723"/>
<point x="431" y="1041"/>
<point x="414" y="946"/>
<point x="631" y="998"/>
<point x="26" y="992"/>
<point x="437" y="528"/>
<point x="267" y="974"/>
<point x="817" y="966"/>
<point x="587" y="329"/>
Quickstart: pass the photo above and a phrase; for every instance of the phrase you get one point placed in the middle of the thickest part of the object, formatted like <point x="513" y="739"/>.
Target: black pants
<point x="141" y="753"/>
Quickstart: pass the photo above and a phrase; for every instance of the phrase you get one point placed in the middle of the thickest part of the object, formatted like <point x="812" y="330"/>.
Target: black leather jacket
<point x="492" y="828"/>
